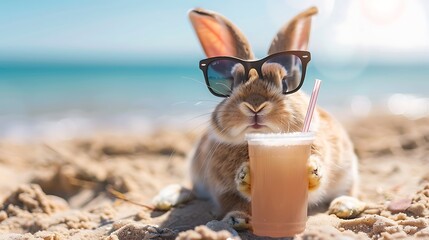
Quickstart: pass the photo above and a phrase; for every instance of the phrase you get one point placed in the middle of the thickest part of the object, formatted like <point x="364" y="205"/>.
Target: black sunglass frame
<point x="304" y="56"/>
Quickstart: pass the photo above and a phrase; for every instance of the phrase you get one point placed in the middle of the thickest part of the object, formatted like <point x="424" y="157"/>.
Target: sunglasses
<point x="223" y="74"/>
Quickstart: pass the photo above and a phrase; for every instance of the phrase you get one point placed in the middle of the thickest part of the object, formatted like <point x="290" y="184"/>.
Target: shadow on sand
<point x="199" y="212"/>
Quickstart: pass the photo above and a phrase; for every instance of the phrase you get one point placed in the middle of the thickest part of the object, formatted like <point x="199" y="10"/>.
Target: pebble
<point x="399" y="205"/>
<point x="219" y="225"/>
<point x="346" y="207"/>
<point x="171" y="196"/>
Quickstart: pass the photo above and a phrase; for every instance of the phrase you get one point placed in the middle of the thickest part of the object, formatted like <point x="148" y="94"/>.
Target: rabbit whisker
<point x="209" y="113"/>
<point x="194" y="79"/>
<point x="224" y="85"/>
<point x="203" y="83"/>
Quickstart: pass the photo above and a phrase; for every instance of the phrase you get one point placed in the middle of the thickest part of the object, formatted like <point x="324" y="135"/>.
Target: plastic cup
<point x="279" y="182"/>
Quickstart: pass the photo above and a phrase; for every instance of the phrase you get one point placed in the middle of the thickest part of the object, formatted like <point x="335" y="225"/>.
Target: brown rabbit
<point x="219" y="167"/>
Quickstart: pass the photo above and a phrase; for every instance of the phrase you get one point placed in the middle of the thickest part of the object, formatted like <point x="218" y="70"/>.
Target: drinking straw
<point x="311" y="105"/>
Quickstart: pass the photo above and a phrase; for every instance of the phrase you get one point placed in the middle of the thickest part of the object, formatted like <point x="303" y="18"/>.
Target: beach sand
<point x="72" y="189"/>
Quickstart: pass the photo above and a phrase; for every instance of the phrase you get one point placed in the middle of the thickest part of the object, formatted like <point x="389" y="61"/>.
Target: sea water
<point x="65" y="99"/>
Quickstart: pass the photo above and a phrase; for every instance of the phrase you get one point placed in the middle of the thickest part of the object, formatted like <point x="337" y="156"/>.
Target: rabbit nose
<point x="255" y="100"/>
<point x="254" y="109"/>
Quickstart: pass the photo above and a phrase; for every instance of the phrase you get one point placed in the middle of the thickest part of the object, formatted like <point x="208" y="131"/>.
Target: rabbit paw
<point x="346" y="207"/>
<point x="237" y="220"/>
<point x="242" y="179"/>
<point x="314" y="172"/>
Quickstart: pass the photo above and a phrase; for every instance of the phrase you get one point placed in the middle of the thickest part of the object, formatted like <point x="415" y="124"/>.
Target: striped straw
<point x="311" y="105"/>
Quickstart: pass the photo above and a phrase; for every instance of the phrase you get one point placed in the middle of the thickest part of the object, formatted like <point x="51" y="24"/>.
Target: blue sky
<point x="354" y="30"/>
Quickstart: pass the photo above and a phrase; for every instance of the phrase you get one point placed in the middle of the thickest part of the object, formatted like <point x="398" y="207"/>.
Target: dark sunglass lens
<point x="221" y="75"/>
<point x="291" y="76"/>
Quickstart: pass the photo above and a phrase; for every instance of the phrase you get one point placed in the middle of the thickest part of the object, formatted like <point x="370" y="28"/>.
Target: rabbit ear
<point x="295" y="34"/>
<point x="218" y="36"/>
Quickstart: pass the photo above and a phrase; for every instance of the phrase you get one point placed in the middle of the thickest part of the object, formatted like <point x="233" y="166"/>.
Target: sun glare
<point x="383" y="11"/>
<point x="391" y="25"/>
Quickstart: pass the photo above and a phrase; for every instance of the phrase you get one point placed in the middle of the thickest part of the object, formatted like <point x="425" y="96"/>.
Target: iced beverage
<point x="279" y="182"/>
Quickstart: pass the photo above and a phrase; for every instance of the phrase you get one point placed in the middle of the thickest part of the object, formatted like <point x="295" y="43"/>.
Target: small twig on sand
<point x="82" y="183"/>
<point x="121" y="196"/>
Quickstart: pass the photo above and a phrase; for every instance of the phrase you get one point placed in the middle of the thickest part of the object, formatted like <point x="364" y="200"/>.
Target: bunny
<point x="220" y="164"/>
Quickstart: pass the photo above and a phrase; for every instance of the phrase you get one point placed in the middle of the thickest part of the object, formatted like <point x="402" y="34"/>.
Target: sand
<point x="72" y="189"/>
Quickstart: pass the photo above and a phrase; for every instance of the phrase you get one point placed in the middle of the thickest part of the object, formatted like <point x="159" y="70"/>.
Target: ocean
<point x="59" y="100"/>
